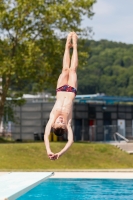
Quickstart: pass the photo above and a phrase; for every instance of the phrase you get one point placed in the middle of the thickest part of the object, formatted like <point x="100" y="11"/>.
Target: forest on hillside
<point x="109" y="69"/>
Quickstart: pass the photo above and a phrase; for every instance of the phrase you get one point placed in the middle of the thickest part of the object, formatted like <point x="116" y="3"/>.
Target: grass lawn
<point x="32" y="156"/>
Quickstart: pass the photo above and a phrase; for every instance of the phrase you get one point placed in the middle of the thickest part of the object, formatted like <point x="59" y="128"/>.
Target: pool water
<point x="81" y="189"/>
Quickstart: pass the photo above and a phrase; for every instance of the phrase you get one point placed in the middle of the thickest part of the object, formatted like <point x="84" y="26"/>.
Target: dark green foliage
<point x="109" y="69"/>
<point x="30" y="45"/>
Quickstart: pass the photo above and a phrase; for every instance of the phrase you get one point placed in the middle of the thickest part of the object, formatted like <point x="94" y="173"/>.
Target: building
<point x="95" y="118"/>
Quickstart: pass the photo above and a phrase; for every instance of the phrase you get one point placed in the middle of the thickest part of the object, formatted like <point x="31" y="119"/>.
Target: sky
<point x="113" y="20"/>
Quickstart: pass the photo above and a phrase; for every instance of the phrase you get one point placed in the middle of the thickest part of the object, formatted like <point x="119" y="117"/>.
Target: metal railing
<point x="119" y="136"/>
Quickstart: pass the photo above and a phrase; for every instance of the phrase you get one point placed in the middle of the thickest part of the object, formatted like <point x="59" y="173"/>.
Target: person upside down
<point x="61" y="114"/>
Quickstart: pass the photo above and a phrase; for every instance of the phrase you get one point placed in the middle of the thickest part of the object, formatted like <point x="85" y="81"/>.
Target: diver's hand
<point x="57" y="156"/>
<point x="50" y="155"/>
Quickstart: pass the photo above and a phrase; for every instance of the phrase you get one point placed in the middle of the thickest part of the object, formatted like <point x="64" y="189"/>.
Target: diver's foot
<point x="69" y="41"/>
<point x="74" y="39"/>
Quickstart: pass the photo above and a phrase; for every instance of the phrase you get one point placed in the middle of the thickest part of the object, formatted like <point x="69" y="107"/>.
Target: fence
<point x="33" y="116"/>
<point x="104" y="133"/>
<point x="86" y="133"/>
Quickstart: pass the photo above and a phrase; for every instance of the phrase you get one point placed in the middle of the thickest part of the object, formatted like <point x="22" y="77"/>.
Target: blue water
<point x="81" y="189"/>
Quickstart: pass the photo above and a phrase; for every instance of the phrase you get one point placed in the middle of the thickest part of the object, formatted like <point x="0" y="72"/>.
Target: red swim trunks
<point x="66" y="88"/>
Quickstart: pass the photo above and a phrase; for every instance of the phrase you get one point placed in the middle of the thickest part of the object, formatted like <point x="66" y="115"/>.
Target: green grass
<point x="5" y="140"/>
<point x="32" y="156"/>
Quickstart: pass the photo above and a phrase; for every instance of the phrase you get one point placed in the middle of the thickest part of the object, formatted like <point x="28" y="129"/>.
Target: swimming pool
<point x="81" y="189"/>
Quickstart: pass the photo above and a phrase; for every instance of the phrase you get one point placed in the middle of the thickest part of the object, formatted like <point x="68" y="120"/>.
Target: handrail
<point x="121" y="136"/>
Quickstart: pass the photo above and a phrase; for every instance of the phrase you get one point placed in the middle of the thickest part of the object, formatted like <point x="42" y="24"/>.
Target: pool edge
<point x="19" y="192"/>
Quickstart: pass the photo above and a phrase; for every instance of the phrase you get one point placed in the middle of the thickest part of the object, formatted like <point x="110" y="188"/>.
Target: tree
<point x="31" y="45"/>
<point x="109" y="69"/>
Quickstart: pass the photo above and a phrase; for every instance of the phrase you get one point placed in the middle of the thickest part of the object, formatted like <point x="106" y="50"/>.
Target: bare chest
<point x="63" y="104"/>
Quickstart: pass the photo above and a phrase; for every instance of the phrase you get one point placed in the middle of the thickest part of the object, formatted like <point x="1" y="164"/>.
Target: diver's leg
<point x="72" y="81"/>
<point x="63" y="78"/>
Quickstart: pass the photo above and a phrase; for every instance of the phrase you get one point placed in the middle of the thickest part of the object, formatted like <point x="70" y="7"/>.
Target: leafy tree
<point x="31" y="45"/>
<point x="109" y="69"/>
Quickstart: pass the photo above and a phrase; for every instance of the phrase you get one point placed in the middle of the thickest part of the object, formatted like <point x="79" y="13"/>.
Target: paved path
<point x="2" y="173"/>
<point x="94" y="173"/>
<point x="128" y="147"/>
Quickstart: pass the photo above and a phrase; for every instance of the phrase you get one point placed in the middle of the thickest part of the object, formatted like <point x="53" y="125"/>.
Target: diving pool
<point x="81" y="189"/>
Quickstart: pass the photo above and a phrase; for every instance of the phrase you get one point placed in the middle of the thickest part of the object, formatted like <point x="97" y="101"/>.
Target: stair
<point x="128" y="147"/>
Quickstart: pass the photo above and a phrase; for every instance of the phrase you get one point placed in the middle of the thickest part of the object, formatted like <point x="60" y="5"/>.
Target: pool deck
<point x="94" y="173"/>
<point x="14" y="184"/>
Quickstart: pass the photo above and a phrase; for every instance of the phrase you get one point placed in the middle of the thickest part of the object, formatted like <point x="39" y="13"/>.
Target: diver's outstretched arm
<point x="47" y="133"/>
<point x="68" y="144"/>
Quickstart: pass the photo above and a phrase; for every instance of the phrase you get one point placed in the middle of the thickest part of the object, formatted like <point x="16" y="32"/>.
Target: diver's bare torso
<point x="63" y="105"/>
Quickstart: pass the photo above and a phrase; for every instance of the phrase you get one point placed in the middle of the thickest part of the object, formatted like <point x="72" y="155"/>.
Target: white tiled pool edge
<point x="15" y="184"/>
